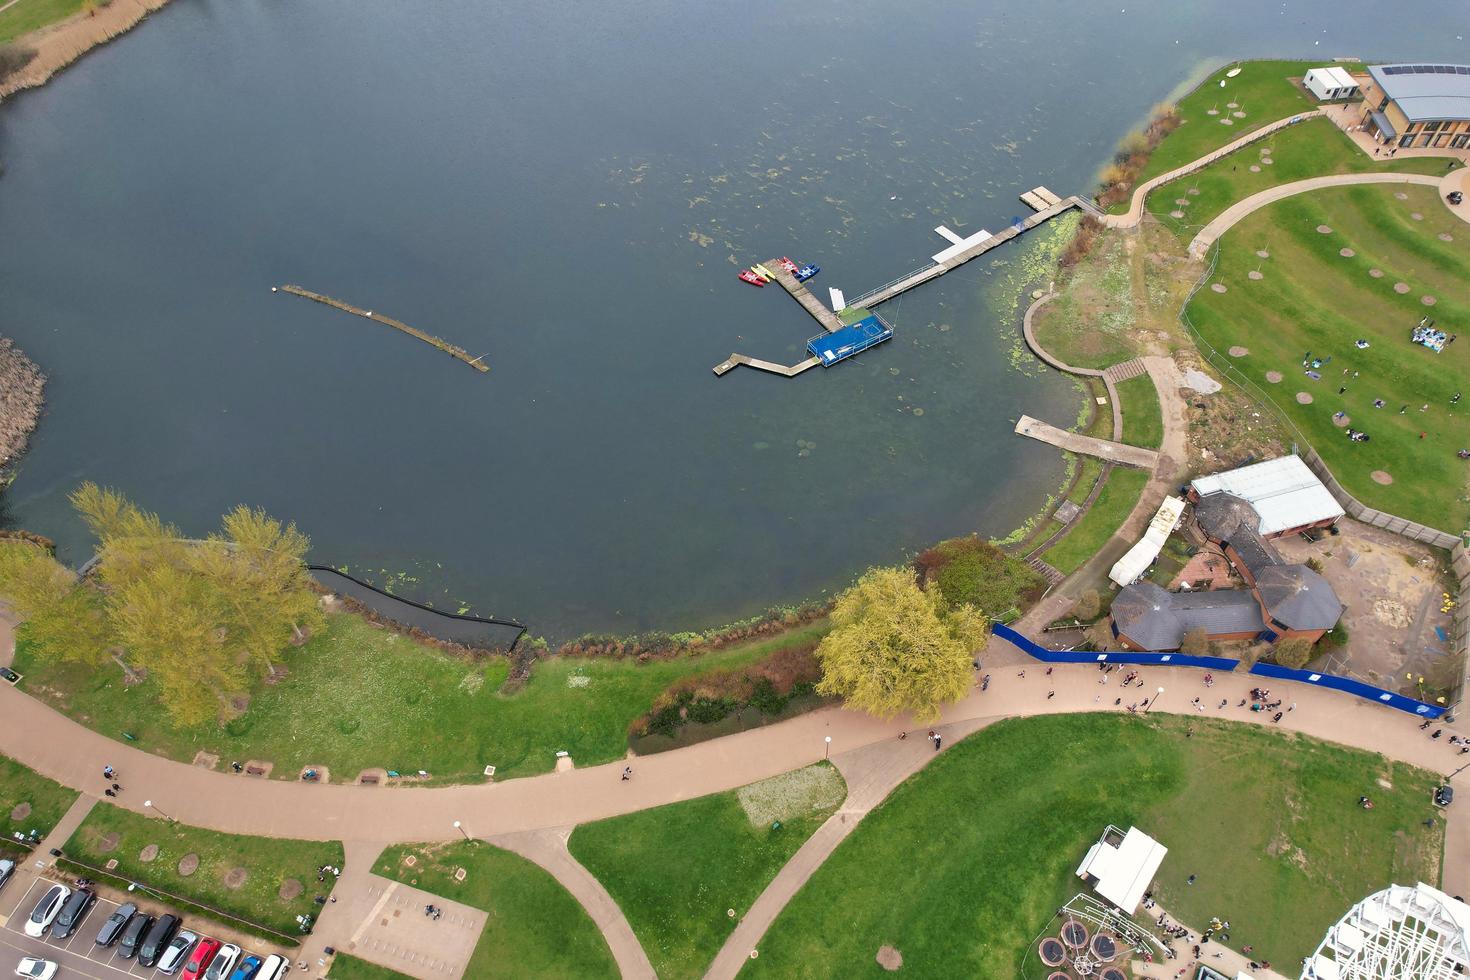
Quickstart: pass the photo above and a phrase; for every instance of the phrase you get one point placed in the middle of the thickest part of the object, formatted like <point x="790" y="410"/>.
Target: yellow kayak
<point x="761" y="270"/>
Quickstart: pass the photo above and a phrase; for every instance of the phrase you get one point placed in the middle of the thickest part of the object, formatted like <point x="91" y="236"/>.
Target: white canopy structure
<point x="1330" y="83"/>
<point x="1400" y="933"/>
<point x="1127" y="569"/>
<point x="1120" y="866"/>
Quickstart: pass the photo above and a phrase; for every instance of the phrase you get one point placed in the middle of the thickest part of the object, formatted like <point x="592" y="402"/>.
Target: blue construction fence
<point x="1366" y="691"/>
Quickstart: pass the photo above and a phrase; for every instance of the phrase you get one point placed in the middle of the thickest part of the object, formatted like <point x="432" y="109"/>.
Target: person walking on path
<point x="108" y="772"/>
<point x="627" y="773"/>
<point x="936" y="738"/>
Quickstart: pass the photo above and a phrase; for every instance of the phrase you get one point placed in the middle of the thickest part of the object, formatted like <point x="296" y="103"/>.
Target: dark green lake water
<point x="562" y="187"/>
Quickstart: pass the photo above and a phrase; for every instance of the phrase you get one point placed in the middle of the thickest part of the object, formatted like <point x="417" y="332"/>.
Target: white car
<point x="223" y="962"/>
<point x="36" y="969"/>
<point x="45" y="911"/>
<point x="177" y="952"/>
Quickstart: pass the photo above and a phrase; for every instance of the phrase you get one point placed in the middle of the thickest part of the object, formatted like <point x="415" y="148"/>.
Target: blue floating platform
<point x="851" y="339"/>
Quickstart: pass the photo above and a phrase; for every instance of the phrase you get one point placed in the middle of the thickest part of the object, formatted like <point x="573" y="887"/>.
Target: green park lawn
<point x="1310" y="149"/>
<point x="268" y="862"/>
<point x="1262" y="90"/>
<point x="27" y="15"/>
<point x="1143" y="419"/>
<point x="1092" y="530"/>
<point x="535" y="929"/>
<point x="48" y="801"/>
<point x="1313" y="299"/>
<point x="357" y="697"/>
<point x="348" y="967"/>
<point x="677" y="870"/>
<point x="965" y="864"/>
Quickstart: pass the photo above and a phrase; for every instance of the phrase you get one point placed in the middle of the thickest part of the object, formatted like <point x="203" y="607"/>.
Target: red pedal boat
<point x="747" y="276"/>
<point x="789" y="265"/>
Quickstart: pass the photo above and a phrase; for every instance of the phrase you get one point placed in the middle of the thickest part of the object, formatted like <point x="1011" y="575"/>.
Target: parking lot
<point x="78" y="954"/>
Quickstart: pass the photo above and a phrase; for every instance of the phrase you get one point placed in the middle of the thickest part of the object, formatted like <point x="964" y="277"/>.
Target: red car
<point x="199" y="962"/>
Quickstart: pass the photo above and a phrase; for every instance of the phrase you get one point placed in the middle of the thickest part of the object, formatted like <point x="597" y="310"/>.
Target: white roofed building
<point x="1331" y="83"/>
<point x="1120" y="866"/>
<point x="1286" y="495"/>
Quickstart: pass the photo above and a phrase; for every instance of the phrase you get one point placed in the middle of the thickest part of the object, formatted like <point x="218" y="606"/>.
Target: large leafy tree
<point x="64" y="620"/>
<point x="894" y="647"/>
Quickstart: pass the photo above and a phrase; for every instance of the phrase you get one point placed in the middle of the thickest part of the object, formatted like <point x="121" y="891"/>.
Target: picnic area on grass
<point x="962" y="867"/>
<point x="1300" y="283"/>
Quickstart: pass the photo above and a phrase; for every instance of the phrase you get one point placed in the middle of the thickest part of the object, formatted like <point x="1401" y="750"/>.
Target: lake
<point x="569" y="189"/>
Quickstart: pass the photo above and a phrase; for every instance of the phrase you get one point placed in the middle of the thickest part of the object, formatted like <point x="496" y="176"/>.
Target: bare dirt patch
<point x="290" y="888"/>
<point x="1445" y="236"/>
<point x="108" y="843"/>
<point x="1401" y="287"/>
<point x="188" y="864"/>
<point x="1376" y="273"/>
<point x="235" y="877"/>
<point x="1275" y="377"/>
<point x="1381" y="478"/>
<point x="1261" y="253"/>
<point x="206" y="760"/>
<point x="1427" y="300"/>
<point x="1238" y="351"/>
<point x="889" y="958"/>
<point x="1346" y="253"/>
<point x="1218" y="287"/>
<point x="1304" y="398"/>
<point x="1255" y="274"/>
<point x="1342" y="421"/>
<point x="149" y="853"/>
<point x="20" y="811"/>
<point x="1324" y="229"/>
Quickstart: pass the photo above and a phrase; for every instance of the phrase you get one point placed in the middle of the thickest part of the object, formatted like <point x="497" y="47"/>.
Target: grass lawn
<point x="401" y="705"/>
<point x="27" y="15"/>
<point x="676" y="870"/>
<point x="348" y="967"/>
<point x="1313" y="299"/>
<point x="1106" y="515"/>
<point x="1309" y="149"/>
<point x="1262" y="91"/>
<point x="1143" y="419"/>
<point x="268" y="863"/>
<point x="535" y="928"/>
<point x="48" y="801"/>
<point x="966" y="862"/>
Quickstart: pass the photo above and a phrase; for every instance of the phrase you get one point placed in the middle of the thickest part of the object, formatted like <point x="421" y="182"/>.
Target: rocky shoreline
<point x="21" y="399"/>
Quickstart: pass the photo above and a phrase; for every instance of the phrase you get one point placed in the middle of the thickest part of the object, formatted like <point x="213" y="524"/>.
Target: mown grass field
<point x="1143" y="418"/>
<point x="268" y="861"/>
<point x="676" y="870"/>
<point x="535" y="927"/>
<point x="1313" y="299"/>
<point x="48" y="800"/>
<point x="962" y="867"/>
<point x="1310" y="149"/>
<point x="357" y="697"/>
<point x="1092" y="530"/>
<point x="348" y="967"/>
<point x="27" y="15"/>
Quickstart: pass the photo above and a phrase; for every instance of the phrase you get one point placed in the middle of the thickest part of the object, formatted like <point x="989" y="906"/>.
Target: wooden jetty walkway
<point x="478" y="363"/>
<point x="1113" y="452"/>
<point x="1046" y="205"/>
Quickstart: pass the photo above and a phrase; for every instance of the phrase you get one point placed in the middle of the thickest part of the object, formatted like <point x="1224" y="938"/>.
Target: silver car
<point x="177" y="952"/>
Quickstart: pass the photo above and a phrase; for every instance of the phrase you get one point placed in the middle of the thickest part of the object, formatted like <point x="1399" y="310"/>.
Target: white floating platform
<point x="839" y="302"/>
<point x="960" y="244"/>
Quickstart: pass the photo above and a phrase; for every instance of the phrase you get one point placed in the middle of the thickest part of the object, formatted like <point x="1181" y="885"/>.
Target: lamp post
<point x="828" y="753"/>
<point x="1457" y="772"/>
<point x="148" y="804"/>
<point x="1154" y="701"/>
<point x="460" y="827"/>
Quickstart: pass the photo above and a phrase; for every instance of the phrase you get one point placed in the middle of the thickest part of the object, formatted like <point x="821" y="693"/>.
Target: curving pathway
<point x="1140" y="194"/>
<point x="1238" y="211"/>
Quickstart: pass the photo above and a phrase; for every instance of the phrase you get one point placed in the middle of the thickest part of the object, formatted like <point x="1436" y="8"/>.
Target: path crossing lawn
<point x="268" y="863"/>
<point x="357" y="697"/>
<point x="1092" y="530"/>
<point x="535" y="928"/>
<point x="1313" y="299"/>
<point x="964" y="865"/>
<point x="1310" y="149"/>
<point x="677" y="870"/>
<point x="20" y="788"/>
<point x="1143" y="419"/>
<point x="348" y="967"/>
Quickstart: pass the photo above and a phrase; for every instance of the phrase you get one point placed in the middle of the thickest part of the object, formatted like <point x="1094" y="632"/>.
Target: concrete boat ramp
<point x="1113" y="452"/>
<point x="1043" y="202"/>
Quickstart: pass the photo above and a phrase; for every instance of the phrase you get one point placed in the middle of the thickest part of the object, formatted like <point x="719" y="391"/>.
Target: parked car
<point x="157" y="939"/>
<point x="46" y="910"/>
<point x="132" y="935"/>
<point x="199" y="960"/>
<point x="9" y="675"/>
<point x="274" y="968"/>
<point x="113" y="928"/>
<point x="1444" y="795"/>
<point x="72" y="913"/>
<point x="36" y="969"/>
<point x="177" y="952"/>
<point x="247" y="969"/>
<point x="223" y="962"/>
<point x="7" y="868"/>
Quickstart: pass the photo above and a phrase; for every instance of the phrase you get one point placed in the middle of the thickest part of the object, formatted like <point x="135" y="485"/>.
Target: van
<point x="274" y="968"/>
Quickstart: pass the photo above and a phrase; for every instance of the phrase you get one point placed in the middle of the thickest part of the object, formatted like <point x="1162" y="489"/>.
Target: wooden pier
<point x="478" y="363"/>
<point x="735" y="360"/>
<point x="802" y="295"/>
<point x="1114" y="452"/>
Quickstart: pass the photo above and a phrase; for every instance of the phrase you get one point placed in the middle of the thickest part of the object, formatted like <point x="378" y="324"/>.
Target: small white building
<point x="1120" y="866"/>
<point x="1332" y="83"/>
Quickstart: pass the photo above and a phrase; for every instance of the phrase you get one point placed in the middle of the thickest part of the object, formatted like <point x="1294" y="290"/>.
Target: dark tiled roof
<point x="1298" y="598"/>
<point x="1157" y="620"/>
<point x="1219" y="514"/>
<point x="1254" y="551"/>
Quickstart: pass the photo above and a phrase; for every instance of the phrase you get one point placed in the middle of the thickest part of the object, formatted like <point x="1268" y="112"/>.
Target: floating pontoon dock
<point x="478" y="363"/>
<point x="852" y="339"/>
<point x="961" y="249"/>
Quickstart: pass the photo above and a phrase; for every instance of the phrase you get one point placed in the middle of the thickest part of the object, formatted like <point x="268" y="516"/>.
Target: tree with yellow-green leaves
<point x="203" y="618"/>
<point x="894" y="647"/>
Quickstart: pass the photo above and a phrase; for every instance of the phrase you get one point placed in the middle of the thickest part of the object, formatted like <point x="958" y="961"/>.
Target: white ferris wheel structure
<point x="1401" y="933"/>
